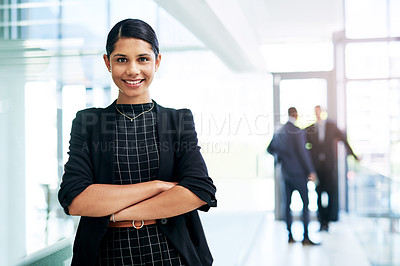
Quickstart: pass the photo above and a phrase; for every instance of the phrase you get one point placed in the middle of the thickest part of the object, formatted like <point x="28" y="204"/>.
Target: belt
<point x="135" y="224"/>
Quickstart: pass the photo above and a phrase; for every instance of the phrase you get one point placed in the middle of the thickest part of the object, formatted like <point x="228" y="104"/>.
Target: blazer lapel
<point x="107" y="140"/>
<point x="167" y="146"/>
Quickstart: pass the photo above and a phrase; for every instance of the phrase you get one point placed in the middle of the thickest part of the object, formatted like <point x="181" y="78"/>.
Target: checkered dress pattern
<point x="137" y="160"/>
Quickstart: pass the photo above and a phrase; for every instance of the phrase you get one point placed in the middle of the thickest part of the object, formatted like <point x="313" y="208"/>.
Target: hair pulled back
<point x="132" y="28"/>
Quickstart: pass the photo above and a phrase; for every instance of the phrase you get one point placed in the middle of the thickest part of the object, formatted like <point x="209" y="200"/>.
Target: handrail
<point x="377" y="172"/>
<point x="374" y="209"/>
<point x="54" y="255"/>
<point x="371" y="193"/>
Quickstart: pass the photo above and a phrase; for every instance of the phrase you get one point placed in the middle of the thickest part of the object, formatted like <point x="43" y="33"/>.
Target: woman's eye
<point x="143" y="59"/>
<point x="121" y="60"/>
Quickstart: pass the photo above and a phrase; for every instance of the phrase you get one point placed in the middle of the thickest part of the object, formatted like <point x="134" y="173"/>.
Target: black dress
<point x="136" y="160"/>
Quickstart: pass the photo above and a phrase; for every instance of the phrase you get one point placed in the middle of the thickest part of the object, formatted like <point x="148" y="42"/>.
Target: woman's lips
<point x="133" y="82"/>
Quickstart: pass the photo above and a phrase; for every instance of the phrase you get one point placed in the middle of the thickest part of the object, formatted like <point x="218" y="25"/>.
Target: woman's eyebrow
<point x="119" y="55"/>
<point x="139" y="55"/>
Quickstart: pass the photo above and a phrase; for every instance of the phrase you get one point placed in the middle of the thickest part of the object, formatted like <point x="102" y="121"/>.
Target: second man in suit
<point x="323" y="136"/>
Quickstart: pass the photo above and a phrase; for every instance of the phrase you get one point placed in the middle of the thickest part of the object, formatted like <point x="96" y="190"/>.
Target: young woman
<point x="135" y="174"/>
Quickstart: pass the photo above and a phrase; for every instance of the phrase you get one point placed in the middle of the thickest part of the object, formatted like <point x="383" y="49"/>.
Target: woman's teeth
<point x="133" y="82"/>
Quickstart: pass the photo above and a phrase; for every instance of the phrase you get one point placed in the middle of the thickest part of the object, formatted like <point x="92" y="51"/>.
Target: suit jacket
<point x="91" y="160"/>
<point x="324" y="154"/>
<point x="288" y="145"/>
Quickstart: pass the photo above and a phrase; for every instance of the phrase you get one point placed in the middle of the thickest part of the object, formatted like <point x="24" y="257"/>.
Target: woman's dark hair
<point x="132" y="28"/>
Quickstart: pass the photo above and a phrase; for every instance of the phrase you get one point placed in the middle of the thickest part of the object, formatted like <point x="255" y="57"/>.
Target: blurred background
<point x="238" y="65"/>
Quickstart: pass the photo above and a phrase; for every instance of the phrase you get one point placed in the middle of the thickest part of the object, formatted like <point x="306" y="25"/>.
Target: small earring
<point x="109" y="70"/>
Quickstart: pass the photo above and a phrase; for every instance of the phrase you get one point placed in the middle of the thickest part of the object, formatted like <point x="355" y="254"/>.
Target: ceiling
<point x="237" y="29"/>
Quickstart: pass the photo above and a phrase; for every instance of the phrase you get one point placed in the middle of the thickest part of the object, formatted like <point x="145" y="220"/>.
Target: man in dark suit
<point x="323" y="136"/>
<point x="288" y="148"/>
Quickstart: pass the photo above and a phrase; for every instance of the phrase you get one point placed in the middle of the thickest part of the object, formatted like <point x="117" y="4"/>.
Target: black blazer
<point x="328" y="148"/>
<point x="91" y="160"/>
<point x="288" y="146"/>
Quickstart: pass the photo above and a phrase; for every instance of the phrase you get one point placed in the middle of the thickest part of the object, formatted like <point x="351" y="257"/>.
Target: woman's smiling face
<point x="133" y="66"/>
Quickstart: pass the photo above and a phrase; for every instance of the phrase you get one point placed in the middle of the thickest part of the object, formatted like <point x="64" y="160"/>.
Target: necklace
<point x="131" y="118"/>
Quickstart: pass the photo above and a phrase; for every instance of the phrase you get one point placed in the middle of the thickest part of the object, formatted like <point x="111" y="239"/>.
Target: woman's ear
<point x="158" y="61"/>
<point x="107" y="62"/>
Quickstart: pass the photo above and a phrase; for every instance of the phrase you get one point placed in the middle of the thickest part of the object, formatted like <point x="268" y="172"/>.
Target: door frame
<point x="330" y="77"/>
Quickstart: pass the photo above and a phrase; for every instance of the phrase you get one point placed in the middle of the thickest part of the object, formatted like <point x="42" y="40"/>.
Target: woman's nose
<point x="133" y="69"/>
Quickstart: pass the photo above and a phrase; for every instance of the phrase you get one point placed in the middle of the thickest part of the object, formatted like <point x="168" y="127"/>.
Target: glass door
<point x="303" y="91"/>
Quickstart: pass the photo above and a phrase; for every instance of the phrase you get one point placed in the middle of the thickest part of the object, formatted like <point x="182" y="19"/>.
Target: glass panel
<point x="394" y="57"/>
<point x="304" y="94"/>
<point x="85" y="20"/>
<point x="44" y="224"/>
<point x="41" y="22"/>
<point x="394" y="23"/>
<point x="395" y="196"/>
<point x="368" y="122"/>
<point x="394" y="113"/>
<point x="366" y="18"/>
<point x="367" y="60"/>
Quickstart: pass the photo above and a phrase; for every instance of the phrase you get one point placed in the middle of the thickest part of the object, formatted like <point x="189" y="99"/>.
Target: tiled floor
<point x="256" y="239"/>
<point x="380" y="244"/>
<point x="241" y="232"/>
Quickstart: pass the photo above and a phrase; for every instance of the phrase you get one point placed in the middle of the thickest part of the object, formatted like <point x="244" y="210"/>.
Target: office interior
<point x="238" y="65"/>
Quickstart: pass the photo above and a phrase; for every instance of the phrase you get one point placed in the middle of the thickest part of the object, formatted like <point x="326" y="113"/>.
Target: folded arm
<point x="172" y="202"/>
<point x="100" y="199"/>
